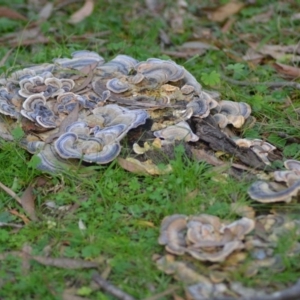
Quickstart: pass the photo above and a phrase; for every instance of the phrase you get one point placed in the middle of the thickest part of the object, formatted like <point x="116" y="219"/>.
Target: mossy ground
<point x="122" y="211"/>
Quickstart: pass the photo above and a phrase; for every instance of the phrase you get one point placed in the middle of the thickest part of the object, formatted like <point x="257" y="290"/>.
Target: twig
<point x="291" y="293"/>
<point x="3" y="224"/>
<point x="10" y="192"/>
<point x="272" y="84"/>
<point x="108" y="287"/>
<point x="165" y="293"/>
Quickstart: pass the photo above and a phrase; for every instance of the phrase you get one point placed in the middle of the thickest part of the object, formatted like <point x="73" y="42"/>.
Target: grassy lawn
<point x="122" y="211"/>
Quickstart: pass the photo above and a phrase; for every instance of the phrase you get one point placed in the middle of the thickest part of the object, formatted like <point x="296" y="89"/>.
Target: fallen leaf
<point x="81" y="225"/>
<point x="27" y="202"/>
<point x="46" y="11"/>
<point x="105" y="273"/>
<point x="145" y="223"/>
<point x="5" y="57"/>
<point x="278" y="52"/>
<point x="290" y="71"/>
<point x="191" y="195"/>
<point x="130" y="166"/>
<point x="147" y="167"/>
<point x="85" y="11"/>
<point x="228" y="24"/>
<point x="225" y="11"/>
<point x="9" y="13"/>
<point x="295" y="17"/>
<point x="197" y="45"/>
<point x="87" y="70"/>
<point x="263" y="17"/>
<point x="253" y="56"/>
<point x="72" y="117"/>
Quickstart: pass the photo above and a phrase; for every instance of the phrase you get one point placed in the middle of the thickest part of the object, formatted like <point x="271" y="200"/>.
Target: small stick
<point x="162" y="294"/>
<point x="3" y="224"/>
<point x="269" y="84"/>
<point x="291" y="293"/>
<point x="108" y="287"/>
<point x="10" y="192"/>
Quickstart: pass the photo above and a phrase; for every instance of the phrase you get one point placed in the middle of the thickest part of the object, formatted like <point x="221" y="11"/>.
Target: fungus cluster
<point x="285" y="186"/>
<point x="223" y="247"/>
<point x="204" y="237"/>
<point x="80" y="108"/>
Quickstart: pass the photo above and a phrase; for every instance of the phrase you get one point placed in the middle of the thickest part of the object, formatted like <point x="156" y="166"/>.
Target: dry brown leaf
<point x="253" y="56"/>
<point x="72" y="116"/>
<point x="191" y="195"/>
<point x="46" y="11"/>
<point x="263" y="17"/>
<point x="180" y="54"/>
<point x="278" y="52"/>
<point x="225" y="11"/>
<point x="85" y="11"/>
<point x="130" y="166"/>
<point x="147" y="167"/>
<point x="290" y="71"/>
<point x="105" y="273"/>
<point x="295" y="49"/>
<point x="5" y="57"/>
<point x="295" y="17"/>
<point x="27" y="202"/>
<point x="9" y="13"/>
<point x="65" y="263"/>
<point x="197" y="45"/>
<point x="145" y="223"/>
<point x="24" y="37"/>
<point x="190" y="49"/>
<point x="228" y="24"/>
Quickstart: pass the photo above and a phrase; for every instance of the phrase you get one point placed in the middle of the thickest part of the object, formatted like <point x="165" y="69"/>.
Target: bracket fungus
<point x="204" y="237"/>
<point x="286" y="185"/>
<point x="180" y="131"/>
<point x="110" y="98"/>
<point x="260" y="147"/>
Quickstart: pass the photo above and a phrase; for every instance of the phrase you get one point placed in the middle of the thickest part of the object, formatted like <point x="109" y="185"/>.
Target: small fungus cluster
<point x="223" y="248"/>
<point x="204" y="237"/>
<point x="285" y="186"/>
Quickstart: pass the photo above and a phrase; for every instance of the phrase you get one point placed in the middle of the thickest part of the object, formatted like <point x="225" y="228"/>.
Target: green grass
<point x="122" y="211"/>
